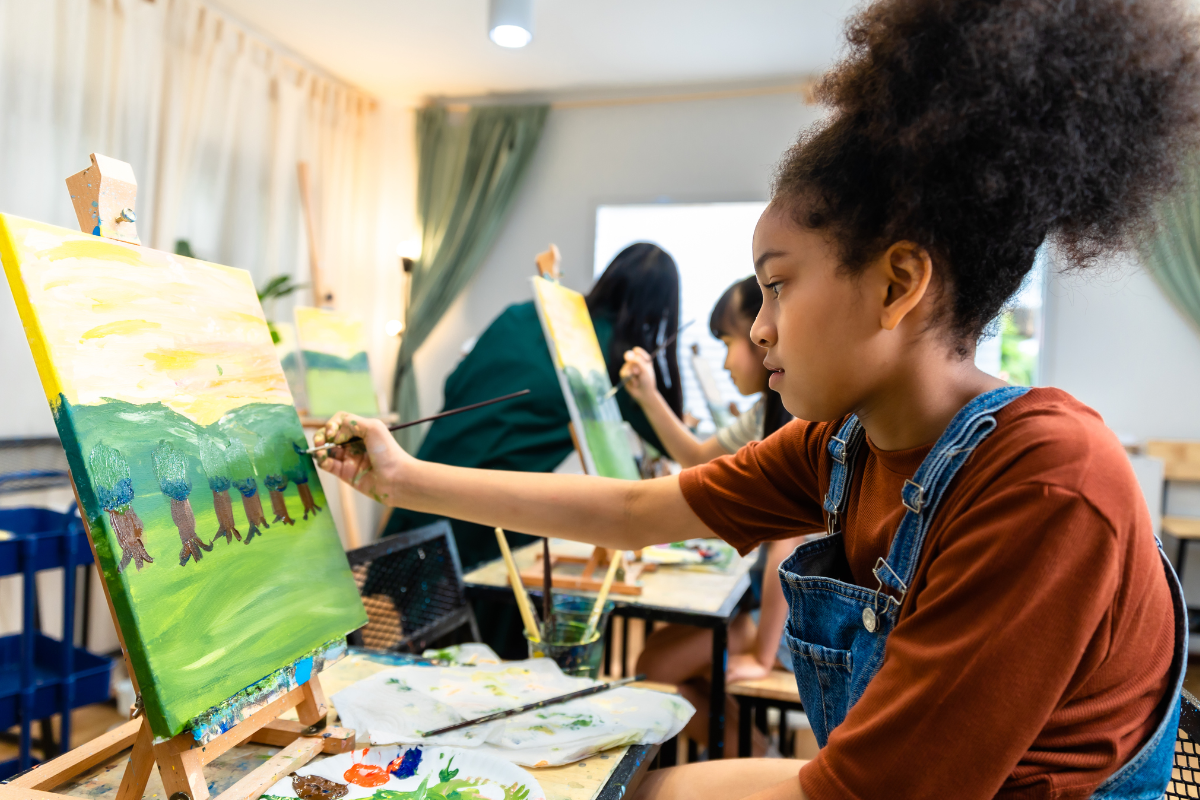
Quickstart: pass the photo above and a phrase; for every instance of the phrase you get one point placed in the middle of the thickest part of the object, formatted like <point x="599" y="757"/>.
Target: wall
<point x="693" y="151"/>
<point x="1114" y="341"/>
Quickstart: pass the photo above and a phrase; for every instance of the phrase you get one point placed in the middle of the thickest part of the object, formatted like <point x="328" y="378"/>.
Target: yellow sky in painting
<point x="135" y="324"/>
<point x="330" y="332"/>
<point x="570" y="324"/>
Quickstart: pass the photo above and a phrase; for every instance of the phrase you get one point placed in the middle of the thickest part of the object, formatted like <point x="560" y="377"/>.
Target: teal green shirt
<point x="525" y="434"/>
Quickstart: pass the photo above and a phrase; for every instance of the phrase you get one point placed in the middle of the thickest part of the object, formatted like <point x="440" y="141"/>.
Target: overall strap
<point x="922" y="493"/>
<point x="842" y="449"/>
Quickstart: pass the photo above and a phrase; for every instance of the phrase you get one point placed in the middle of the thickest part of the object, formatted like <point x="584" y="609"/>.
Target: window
<point x="1011" y="345"/>
<point x="711" y="243"/>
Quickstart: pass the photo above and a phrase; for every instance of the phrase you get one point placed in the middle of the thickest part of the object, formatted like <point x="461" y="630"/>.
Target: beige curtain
<point x="213" y="120"/>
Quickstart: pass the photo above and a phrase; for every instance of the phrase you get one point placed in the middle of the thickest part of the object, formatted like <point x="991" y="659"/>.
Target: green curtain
<point x="468" y="173"/>
<point x="1173" y="256"/>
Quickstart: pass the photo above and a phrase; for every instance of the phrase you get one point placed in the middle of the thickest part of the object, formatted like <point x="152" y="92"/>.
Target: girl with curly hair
<point x="990" y="614"/>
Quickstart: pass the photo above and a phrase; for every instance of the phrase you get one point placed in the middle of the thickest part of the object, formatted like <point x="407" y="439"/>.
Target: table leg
<point x="745" y="715"/>
<point x="716" y="714"/>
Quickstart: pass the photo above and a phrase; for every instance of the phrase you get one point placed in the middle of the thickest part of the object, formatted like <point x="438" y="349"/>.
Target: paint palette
<point x="407" y="772"/>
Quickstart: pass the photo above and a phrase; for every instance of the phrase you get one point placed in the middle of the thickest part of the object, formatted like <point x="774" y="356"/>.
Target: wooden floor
<point x="87" y="723"/>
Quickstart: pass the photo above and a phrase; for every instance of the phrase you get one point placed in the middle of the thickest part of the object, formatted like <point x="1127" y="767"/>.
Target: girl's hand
<point x="639" y="368"/>
<point x="745" y="667"/>
<point x="367" y="456"/>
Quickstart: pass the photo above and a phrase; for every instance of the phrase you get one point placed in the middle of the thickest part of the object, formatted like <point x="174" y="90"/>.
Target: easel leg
<point x="313" y="708"/>
<point x="141" y="762"/>
<point x="181" y="771"/>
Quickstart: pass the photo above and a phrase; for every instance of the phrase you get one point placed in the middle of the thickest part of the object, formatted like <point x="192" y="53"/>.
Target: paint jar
<point x="562" y="643"/>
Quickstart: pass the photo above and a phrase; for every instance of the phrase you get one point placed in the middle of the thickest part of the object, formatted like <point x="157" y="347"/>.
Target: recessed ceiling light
<point x="510" y="22"/>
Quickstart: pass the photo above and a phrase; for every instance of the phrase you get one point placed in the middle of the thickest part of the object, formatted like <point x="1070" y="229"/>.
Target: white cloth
<point x="398" y="705"/>
<point x="747" y="428"/>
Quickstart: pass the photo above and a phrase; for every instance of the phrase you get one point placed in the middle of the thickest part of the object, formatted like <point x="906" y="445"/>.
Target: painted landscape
<point x="584" y="377"/>
<point x="337" y="376"/>
<point x="207" y="517"/>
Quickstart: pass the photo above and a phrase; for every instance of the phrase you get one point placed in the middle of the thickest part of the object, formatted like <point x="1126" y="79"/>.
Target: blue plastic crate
<point x="90" y="677"/>
<point x="40" y="676"/>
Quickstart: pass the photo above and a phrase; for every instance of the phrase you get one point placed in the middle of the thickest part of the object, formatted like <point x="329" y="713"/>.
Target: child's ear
<point x="905" y="270"/>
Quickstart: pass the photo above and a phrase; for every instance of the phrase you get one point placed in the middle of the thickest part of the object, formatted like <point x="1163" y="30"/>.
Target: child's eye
<point x="773" y="288"/>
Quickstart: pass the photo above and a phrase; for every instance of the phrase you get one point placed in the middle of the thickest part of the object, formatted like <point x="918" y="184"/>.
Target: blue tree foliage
<point x="110" y="473"/>
<point x="171" y="467"/>
<point x="212" y="456"/>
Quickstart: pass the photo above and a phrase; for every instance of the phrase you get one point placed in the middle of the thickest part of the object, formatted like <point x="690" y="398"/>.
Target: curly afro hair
<point x="977" y="128"/>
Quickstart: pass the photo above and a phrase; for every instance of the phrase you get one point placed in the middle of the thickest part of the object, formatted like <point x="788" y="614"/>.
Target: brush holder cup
<point x="562" y="642"/>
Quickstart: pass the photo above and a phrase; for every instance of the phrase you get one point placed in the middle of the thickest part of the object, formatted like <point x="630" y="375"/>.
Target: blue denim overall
<point x="837" y="630"/>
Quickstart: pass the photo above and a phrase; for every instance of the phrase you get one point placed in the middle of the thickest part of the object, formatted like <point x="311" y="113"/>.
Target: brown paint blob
<point x="312" y="787"/>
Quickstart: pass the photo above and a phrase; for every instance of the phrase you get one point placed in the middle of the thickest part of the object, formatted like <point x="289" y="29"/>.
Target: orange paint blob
<point x="366" y="775"/>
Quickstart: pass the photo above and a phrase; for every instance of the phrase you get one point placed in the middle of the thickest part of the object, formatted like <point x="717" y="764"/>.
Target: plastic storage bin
<point x="40" y="676"/>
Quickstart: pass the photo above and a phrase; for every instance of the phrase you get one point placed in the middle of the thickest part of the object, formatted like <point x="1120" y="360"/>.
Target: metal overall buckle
<point x="870" y="615"/>
<point x="918" y="503"/>
<point x="844" y="450"/>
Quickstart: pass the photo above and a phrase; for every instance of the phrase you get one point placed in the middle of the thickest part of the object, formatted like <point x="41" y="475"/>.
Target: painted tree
<point x="212" y="456"/>
<point x="114" y="487"/>
<point x="296" y="468"/>
<point x="241" y="470"/>
<point x="171" y="467"/>
<point x="276" y="480"/>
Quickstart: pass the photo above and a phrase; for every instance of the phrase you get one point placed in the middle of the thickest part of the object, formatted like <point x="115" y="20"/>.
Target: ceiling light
<point x="394" y="327"/>
<point x="510" y="23"/>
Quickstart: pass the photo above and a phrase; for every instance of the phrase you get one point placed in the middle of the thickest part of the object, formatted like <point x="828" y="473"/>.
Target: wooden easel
<point x="588" y="581"/>
<point x="180" y="759"/>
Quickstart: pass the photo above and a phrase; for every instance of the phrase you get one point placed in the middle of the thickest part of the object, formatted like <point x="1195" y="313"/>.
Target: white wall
<point x="1115" y="342"/>
<point x="696" y="151"/>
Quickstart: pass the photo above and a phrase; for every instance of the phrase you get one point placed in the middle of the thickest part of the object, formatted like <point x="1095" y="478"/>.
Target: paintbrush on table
<point x="657" y="352"/>
<point x="512" y="712"/>
<point x="403" y="425"/>
<point x="514" y="577"/>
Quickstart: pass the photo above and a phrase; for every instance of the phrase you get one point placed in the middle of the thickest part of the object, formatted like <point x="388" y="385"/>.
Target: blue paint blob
<point x="408" y="764"/>
<point x="304" y="669"/>
<point x="96" y="231"/>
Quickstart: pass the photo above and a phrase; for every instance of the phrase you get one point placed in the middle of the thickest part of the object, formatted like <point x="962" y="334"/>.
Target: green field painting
<point x="207" y="517"/>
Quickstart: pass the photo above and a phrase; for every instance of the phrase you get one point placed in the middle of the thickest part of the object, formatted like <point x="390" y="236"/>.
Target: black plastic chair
<point x="412" y="588"/>
<point x="1185" y="777"/>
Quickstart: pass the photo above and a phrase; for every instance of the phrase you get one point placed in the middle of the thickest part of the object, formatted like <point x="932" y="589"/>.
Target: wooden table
<point x="610" y="775"/>
<point x="777" y="690"/>
<point x="691" y="595"/>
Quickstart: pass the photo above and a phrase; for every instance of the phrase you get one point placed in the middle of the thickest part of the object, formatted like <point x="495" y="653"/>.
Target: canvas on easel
<point x="227" y="581"/>
<point x="597" y="428"/>
<point x="337" y="377"/>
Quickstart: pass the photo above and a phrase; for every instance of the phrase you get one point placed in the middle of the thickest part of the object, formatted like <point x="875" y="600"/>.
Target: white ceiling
<point x="407" y="49"/>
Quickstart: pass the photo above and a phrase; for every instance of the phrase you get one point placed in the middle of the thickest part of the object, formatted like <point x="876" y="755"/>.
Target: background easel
<point x="180" y="759"/>
<point x="592" y="575"/>
<point x="323" y="297"/>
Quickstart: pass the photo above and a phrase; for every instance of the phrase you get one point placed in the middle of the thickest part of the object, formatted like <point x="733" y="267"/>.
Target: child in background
<point x="682" y="654"/>
<point x="730" y="322"/>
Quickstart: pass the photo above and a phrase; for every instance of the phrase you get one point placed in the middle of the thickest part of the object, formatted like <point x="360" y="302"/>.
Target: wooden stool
<point x="777" y="690"/>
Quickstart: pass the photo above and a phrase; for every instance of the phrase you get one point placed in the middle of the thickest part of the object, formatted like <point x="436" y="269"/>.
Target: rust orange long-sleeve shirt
<point x="1031" y="655"/>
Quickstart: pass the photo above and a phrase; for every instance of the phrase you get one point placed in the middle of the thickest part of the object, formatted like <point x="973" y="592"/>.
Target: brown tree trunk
<point x="280" y="507"/>
<point x="307" y="498"/>
<point x="226" y="525"/>
<point x="185" y="521"/>
<point x="129" y="535"/>
<point x="252" y="505"/>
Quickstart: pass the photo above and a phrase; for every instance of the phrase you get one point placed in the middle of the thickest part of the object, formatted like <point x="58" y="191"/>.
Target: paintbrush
<point x="514" y="577"/>
<point x="657" y="351"/>
<point x="547" y="595"/>
<point x="512" y="712"/>
<point x="403" y="425"/>
<point x="594" y="617"/>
